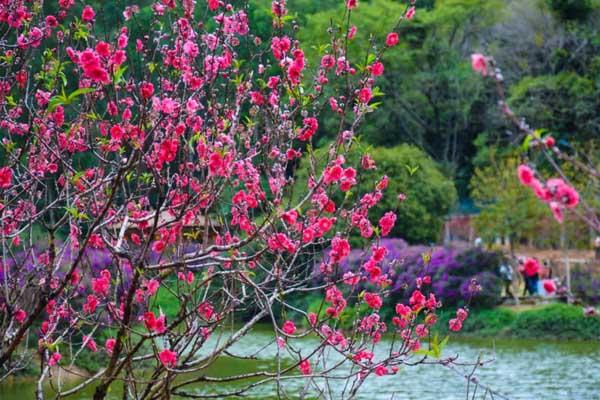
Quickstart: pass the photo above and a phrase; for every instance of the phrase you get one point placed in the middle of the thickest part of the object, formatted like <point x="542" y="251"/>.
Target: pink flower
<point x="206" y="310"/>
<point x="410" y="14"/>
<point x="352" y="32"/>
<point x="149" y="320"/>
<point x="540" y="191"/>
<point x="417" y="299"/>
<point x="310" y="127"/>
<point x="340" y="248"/>
<point x="278" y="8"/>
<point x="351" y="4"/>
<point x="168" y="358"/>
<point x="312" y="319"/>
<point x="288" y="328"/>
<point x="257" y="98"/>
<point x="549" y="141"/>
<point x="5" y="178"/>
<point x="325" y="224"/>
<point x="526" y="174"/>
<point x="100" y="286"/>
<point x="54" y="359"/>
<point x="153" y="324"/>
<point x="377" y="69"/>
<point x="392" y="39"/>
<point x="304" y="367"/>
<point x="421" y="330"/>
<point x="379" y="253"/>
<point x="90" y="343"/>
<point x="280" y="342"/>
<point x="332" y="174"/>
<point x="290" y="217"/>
<point x="146" y="89"/>
<point x="20" y="315"/>
<point x="110" y="345"/>
<point x="158" y="246"/>
<point x="350" y="278"/>
<point x="381" y="370"/>
<point x="403" y="310"/>
<point x="92" y="69"/>
<point x="152" y="286"/>
<point x="365" y="95"/>
<point x="213" y="5"/>
<point x="328" y="61"/>
<point x="462" y="314"/>
<point x="88" y="14"/>
<point x="91" y="304"/>
<point x="373" y="300"/>
<point x="122" y="39"/>
<point x="567" y="195"/>
<point x="557" y="211"/>
<point x="479" y="63"/>
<point x="455" y="324"/>
<point x="387" y="223"/>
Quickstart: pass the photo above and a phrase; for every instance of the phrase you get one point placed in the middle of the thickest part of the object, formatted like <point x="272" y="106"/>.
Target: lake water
<point x="522" y="370"/>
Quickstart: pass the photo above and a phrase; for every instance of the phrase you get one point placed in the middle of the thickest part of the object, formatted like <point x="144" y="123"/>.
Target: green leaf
<point x="375" y="105"/>
<point x="119" y="74"/>
<point x="526" y="143"/>
<point x="423" y="352"/>
<point x="11" y="101"/>
<point x="55" y="102"/>
<point x="411" y="169"/>
<point x="79" y="92"/>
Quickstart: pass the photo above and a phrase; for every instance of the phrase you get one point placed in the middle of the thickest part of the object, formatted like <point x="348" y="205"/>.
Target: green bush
<point x="429" y="194"/>
<point x="555" y="321"/>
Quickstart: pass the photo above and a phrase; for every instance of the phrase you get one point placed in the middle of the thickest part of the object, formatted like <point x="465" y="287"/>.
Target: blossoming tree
<point x="168" y="149"/>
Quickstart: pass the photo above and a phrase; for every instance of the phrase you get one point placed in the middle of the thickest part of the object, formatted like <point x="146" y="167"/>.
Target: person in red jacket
<point x="531" y="268"/>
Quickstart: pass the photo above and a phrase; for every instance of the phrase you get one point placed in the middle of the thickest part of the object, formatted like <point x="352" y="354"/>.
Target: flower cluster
<point x="555" y="192"/>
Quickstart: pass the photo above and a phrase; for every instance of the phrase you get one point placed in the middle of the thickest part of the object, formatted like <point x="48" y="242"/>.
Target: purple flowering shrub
<point x="459" y="276"/>
<point x="585" y="284"/>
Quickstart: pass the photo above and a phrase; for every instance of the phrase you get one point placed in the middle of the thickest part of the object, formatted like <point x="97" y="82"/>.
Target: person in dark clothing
<point x="506" y="273"/>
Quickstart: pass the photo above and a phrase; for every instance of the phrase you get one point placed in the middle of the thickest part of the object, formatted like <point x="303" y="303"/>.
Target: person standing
<point x="521" y="269"/>
<point x="506" y="273"/>
<point x="532" y="275"/>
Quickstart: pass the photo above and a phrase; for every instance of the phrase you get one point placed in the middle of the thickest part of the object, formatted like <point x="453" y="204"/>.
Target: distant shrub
<point x="555" y="321"/>
<point x="558" y="321"/>
<point x="585" y="285"/>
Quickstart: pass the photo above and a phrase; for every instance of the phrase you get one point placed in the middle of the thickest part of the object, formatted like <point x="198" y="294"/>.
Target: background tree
<point x="416" y="190"/>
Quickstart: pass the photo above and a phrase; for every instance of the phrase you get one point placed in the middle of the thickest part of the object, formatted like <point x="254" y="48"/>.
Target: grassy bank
<point x="555" y="321"/>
